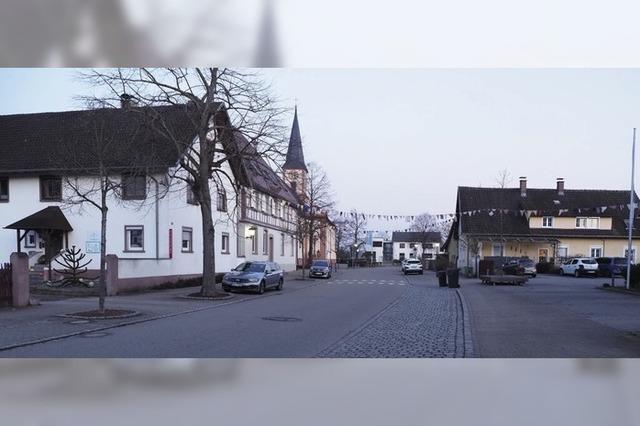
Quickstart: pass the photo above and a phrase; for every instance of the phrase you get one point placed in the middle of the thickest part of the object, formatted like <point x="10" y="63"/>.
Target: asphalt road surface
<point x="553" y="316"/>
<point x="300" y="321"/>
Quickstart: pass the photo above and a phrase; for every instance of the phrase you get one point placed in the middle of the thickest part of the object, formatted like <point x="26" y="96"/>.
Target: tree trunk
<point x="209" y="287"/>
<point x="102" y="291"/>
<point x="310" y="236"/>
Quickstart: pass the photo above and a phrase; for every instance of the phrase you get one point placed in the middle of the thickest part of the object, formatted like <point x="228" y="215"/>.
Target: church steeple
<point x="295" y="154"/>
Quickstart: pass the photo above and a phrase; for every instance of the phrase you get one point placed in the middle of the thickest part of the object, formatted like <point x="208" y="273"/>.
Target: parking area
<point x="553" y="316"/>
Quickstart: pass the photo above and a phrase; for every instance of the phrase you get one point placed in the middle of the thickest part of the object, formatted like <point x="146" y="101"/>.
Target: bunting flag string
<point x="448" y="217"/>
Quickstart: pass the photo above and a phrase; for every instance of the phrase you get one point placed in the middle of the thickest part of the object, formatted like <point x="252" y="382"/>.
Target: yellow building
<point x="541" y="224"/>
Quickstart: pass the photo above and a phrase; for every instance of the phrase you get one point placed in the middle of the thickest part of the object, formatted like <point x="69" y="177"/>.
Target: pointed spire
<point x="295" y="154"/>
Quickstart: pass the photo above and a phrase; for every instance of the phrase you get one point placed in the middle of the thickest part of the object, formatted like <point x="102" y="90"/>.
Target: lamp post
<point x="632" y="208"/>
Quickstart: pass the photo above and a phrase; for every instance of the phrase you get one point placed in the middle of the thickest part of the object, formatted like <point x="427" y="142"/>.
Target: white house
<point x="154" y="226"/>
<point x="416" y="245"/>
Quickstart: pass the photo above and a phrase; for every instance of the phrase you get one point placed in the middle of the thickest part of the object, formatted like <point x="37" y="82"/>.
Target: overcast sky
<point x="397" y="141"/>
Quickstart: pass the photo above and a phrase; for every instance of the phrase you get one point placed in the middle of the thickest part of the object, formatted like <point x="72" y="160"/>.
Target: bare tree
<point x="94" y="169"/>
<point x="233" y="118"/>
<point x="318" y="199"/>
<point x="424" y="224"/>
<point x="503" y="179"/>
<point x="355" y="231"/>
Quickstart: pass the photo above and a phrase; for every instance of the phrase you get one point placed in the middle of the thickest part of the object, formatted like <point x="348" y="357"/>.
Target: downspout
<point x="157" y="218"/>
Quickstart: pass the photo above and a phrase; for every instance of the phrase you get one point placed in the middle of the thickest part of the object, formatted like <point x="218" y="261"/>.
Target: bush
<point x="544" y="267"/>
<point x="635" y="276"/>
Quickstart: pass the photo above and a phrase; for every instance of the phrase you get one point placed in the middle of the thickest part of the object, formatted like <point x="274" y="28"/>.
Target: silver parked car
<point x="258" y="276"/>
<point x="320" y="268"/>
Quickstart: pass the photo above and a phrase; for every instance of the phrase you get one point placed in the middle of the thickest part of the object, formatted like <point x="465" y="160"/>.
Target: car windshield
<point x="251" y="267"/>
<point x="620" y="261"/>
<point x="413" y="261"/>
<point x="588" y="261"/>
<point x="320" y="263"/>
<point x="527" y="262"/>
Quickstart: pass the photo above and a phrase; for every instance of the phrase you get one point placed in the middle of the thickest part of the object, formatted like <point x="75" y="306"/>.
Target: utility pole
<point x="632" y="208"/>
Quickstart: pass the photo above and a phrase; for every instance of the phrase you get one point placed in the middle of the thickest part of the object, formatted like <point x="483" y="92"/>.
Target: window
<point x="254" y="243"/>
<point x="293" y="249"/>
<point x="225" y="243"/>
<point x="222" y="200"/>
<point x="412" y="245"/>
<point x="402" y="245"/>
<point x="30" y="240"/>
<point x="281" y="244"/>
<point x="497" y="249"/>
<point x="547" y="222"/>
<point x="278" y="209"/>
<point x="596" y="252"/>
<point x="191" y="196"/>
<point x="4" y="189"/>
<point x="377" y="244"/>
<point x="265" y="242"/>
<point x="134" y="187"/>
<point x="258" y="201"/>
<point x="134" y="238"/>
<point x="588" y="222"/>
<point x="249" y="199"/>
<point x="271" y="207"/>
<point x="563" y="252"/>
<point x="187" y="240"/>
<point x="50" y="188"/>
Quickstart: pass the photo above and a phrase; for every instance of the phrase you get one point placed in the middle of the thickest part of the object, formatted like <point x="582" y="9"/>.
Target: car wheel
<point x="226" y="289"/>
<point x="577" y="274"/>
<point x="261" y="288"/>
<point x="280" y="284"/>
<point x="533" y="276"/>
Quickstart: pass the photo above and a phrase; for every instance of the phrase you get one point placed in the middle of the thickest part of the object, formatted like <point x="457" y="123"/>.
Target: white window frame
<point x="127" y="238"/>
<point x="547" y="222"/>
<point x="584" y="222"/>
<point x="282" y="244"/>
<point x="500" y="251"/>
<point x="265" y="242"/>
<point x="591" y="250"/>
<point x="224" y="243"/>
<point x="188" y="249"/>
<point x="566" y="249"/>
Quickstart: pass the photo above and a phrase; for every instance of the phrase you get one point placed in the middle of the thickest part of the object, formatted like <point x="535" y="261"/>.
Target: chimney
<point x="127" y="101"/>
<point x="560" y="186"/>
<point x="523" y="186"/>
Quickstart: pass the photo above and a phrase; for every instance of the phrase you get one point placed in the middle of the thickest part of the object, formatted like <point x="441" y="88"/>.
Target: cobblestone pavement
<point x="426" y="322"/>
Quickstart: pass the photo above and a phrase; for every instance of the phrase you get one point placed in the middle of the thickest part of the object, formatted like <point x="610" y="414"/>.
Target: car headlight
<point x="254" y="280"/>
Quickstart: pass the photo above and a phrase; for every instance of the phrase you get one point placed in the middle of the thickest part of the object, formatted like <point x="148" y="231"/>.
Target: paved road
<point x="314" y="320"/>
<point x="552" y="316"/>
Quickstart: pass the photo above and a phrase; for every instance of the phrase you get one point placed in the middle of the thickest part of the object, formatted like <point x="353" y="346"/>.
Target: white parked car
<point x="412" y="266"/>
<point x="579" y="267"/>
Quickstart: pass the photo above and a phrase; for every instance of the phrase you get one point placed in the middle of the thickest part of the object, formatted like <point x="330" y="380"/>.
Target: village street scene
<point x="253" y="213"/>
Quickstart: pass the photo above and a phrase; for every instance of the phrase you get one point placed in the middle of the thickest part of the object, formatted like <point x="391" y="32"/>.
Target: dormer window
<point x="134" y="187"/>
<point x="588" y="222"/>
<point x="547" y="222"/>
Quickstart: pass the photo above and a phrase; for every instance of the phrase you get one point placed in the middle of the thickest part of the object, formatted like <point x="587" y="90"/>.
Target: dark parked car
<point x="258" y="276"/>
<point x="524" y="266"/>
<point x="320" y="268"/>
<point x="606" y="269"/>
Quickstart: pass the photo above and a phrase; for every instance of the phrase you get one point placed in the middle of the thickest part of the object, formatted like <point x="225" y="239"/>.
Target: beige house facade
<point x="546" y="225"/>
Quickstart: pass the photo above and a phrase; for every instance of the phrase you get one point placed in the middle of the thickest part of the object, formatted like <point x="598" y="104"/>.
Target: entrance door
<point x="543" y="255"/>
<point x="270" y="249"/>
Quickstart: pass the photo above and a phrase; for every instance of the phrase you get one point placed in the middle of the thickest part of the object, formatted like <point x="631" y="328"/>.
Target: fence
<point x="6" y="285"/>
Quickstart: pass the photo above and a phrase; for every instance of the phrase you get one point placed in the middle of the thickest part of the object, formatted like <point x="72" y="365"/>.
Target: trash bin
<point x="453" y="276"/>
<point x="442" y="278"/>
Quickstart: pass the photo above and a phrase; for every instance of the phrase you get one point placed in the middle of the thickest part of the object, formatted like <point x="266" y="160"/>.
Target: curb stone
<point x="466" y="321"/>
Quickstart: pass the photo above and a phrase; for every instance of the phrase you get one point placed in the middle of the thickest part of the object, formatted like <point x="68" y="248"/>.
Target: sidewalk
<point x="24" y="325"/>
